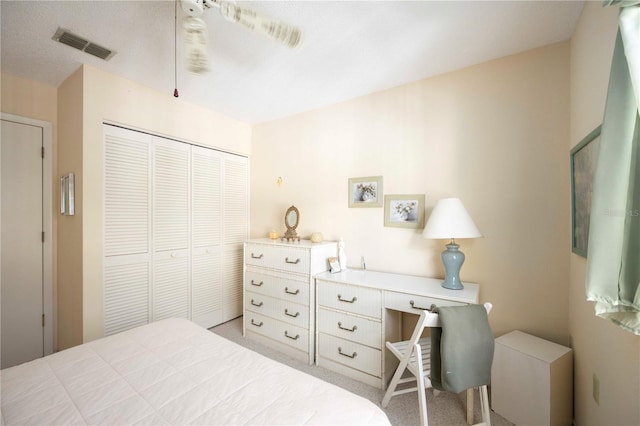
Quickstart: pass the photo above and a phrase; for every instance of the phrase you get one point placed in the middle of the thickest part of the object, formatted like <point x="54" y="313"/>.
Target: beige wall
<point x="70" y="255"/>
<point x="601" y="348"/>
<point x="29" y="99"/>
<point x="494" y="135"/>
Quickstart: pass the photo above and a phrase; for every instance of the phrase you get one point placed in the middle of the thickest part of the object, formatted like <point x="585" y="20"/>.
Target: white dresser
<point x="279" y="293"/>
<point x="358" y="311"/>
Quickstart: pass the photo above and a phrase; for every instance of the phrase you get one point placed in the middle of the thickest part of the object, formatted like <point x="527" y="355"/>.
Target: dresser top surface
<point x="278" y="243"/>
<point x="410" y="284"/>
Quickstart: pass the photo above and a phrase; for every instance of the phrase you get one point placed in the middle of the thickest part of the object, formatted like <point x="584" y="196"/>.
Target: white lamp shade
<point x="449" y="219"/>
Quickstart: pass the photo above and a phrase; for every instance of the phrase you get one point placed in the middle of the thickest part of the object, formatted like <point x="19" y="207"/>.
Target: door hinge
<point x="43" y="236"/>
<point x="42" y="152"/>
<point x="43" y="320"/>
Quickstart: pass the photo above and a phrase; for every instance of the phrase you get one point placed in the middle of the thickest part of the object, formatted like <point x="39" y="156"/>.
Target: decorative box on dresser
<point x="279" y="293"/>
<point x="358" y="311"/>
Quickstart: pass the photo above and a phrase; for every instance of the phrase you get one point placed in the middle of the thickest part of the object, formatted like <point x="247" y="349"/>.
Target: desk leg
<point x="470" y="406"/>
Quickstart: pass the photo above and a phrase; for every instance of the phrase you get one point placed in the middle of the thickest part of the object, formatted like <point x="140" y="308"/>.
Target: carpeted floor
<point x="444" y="408"/>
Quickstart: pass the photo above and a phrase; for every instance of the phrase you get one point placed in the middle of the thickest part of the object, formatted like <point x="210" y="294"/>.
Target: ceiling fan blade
<point x="280" y="31"/>
<point x="195" y="39"/>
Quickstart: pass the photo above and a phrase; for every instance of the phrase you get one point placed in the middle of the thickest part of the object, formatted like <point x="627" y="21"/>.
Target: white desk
<point x="358" y="311"/>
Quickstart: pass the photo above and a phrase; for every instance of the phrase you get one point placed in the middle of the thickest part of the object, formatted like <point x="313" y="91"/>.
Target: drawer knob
<point x="286" y="259"/>
<point x="353" y="355"/>
<point x="286" y="334"/>
<point x="346" y="300"/>
<point x="253" y="256"/>
<point x="256" y="304"/>
<point x="432" y="307"/>
<point x="286" y="290"/>
<point x="286" y="312"/>
<point x="256" y="324"/>
<point x="257" y="284"/>
<point x="354" y="328"/>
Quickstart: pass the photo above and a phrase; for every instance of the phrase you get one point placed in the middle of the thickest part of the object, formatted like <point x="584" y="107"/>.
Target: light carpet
<point x="445" y="408"/>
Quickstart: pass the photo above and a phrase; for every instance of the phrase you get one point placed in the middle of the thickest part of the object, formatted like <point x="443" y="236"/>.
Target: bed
<point x="172" y="372"/>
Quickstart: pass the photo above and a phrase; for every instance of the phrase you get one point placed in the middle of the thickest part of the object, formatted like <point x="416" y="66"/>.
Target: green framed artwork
<point x="583" y="167"/>
<point x="365" y="191"/>
<point x="404" y="211"/>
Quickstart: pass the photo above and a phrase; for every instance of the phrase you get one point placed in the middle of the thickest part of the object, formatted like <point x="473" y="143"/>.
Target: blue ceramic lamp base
<point x="453" y="260"/>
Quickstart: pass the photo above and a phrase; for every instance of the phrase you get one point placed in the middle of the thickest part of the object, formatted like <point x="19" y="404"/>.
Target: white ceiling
<point x="351" y="48"/>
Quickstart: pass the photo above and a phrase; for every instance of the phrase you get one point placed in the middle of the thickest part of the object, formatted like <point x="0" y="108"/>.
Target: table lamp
<point x="449" y="219"/>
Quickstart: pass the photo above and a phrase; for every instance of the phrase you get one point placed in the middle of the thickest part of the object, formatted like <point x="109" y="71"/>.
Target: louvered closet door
<point x="171" y="212"/>
<point x="206" y="242"/>
<point x="127" y="227"/>
<point x="176" y="216"/>
<point x="235" y="219"/>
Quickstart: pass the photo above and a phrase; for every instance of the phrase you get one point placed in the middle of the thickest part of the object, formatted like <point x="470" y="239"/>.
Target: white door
<point x="171" y="216"/>
<point x="206" y="240"/>
<point x="22" y="276"/>
<point x="235" y="229"/>
<point x="127" y="229"/>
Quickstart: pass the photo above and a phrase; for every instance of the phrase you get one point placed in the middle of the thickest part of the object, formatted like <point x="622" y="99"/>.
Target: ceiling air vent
<point x="77" y="42"/>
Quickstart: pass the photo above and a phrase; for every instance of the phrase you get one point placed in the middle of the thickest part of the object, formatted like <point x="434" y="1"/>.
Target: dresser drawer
<point x="412" y="303"/>
<point x="350" y="327"/>
<point x="296" y="337"/>
<point x="277" y="286"/>
<point x="350" y="298"/>
<point x="282" y="310"/>
<point x="288" y="259"/>
<point x="353" y="355"/>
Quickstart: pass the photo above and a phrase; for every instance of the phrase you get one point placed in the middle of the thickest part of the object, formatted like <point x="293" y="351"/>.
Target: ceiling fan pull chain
<point x="175" y="50"/>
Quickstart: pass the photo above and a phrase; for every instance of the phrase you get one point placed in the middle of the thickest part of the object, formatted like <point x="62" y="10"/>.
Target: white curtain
<point x="613" y="260"/>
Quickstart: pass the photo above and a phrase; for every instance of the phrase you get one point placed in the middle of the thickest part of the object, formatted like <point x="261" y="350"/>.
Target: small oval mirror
<point x="291" y="220"/>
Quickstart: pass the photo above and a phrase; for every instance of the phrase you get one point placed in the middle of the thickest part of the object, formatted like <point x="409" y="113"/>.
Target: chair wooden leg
<point x="394" y="382"/>
<point x="470" y="406"/>
<point x="484" y="405"/>
<point x="422" y="397"/>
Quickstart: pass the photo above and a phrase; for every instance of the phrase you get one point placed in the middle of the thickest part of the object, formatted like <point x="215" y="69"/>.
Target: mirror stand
<point x="291" y="220"/>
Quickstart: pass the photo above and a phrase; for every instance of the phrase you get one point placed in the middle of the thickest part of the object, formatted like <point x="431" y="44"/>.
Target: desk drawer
<point x="349" y="327"/>
<point x="282" y="310"/>
<point x="289" y="259"/>
<point x="288" y="334"/>
<point x="353" y="355"/>
<point x="277" y="286"/>
<point x="412" y="303"/>
<point x="350" y="298"/>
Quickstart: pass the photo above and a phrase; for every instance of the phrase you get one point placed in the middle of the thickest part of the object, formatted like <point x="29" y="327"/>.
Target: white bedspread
<point x="172" y="372"/>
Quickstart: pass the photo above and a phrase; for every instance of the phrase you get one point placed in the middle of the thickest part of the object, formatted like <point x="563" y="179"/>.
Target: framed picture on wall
<point x="583" y="167"/>
<point x="404" y="211"/>
<point x="365" y="192"/>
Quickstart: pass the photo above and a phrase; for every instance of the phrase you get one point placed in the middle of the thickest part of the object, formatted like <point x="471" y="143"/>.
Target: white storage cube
<point x="532" y="380"/>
